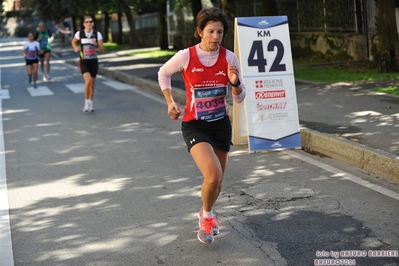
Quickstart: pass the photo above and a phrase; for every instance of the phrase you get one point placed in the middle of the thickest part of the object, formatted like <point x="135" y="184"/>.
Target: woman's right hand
<point x="76" y="49"/>
<point x="173" y="111"/>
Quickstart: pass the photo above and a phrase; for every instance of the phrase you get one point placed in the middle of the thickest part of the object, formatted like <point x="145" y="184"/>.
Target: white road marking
<point x="6" y="253"/>
<point x="75" y="88"/>
<point x="154" y="97"/>
<point x="119" y="85"/>
<point x="348" y="176"/>
<point x="4" y="94"/>
<point x="40" y="91"/>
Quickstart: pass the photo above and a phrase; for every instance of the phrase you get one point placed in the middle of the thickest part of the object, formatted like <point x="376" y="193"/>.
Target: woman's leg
<point x="35" y="69"/>
<point x="29" y="70"/>
<point x="223" y="158"/>
<point x="212" y="163"/>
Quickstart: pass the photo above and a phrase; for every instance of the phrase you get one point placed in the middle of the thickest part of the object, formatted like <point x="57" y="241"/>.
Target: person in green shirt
<point x="45" y="38"/>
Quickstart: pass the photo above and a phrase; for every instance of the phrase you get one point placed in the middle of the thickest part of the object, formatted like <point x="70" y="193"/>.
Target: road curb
<point x="373" y="160"/>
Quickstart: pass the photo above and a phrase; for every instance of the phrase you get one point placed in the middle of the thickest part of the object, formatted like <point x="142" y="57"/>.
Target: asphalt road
<point x="117" y="187"/>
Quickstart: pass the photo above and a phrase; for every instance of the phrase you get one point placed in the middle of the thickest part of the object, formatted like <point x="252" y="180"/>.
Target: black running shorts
<point x="44" y="52"/>
<point x="217" y="133"/>
<point x="89" y="65"/>
<point x="31" y="62"/>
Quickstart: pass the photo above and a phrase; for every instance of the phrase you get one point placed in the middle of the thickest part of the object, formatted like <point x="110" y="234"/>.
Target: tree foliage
<point x="269" y="8"/>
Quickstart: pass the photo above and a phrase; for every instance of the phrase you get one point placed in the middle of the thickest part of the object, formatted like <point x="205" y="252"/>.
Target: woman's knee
<point x="214" y="178"/>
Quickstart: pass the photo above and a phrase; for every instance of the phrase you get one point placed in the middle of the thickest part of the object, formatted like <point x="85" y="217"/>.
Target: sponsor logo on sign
<point x="271" y="106"/>
<point x="260" y="95"/>
<point x="272" y="117"/>
<point x="269" y="83"/>
<point x="276" y="145"/>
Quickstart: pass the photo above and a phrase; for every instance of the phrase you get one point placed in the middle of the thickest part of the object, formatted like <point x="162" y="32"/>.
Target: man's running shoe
<point x="35" y="86"/>
<point x="48" y="76"/>
<point x="30" y="79"/>
<point x="86" y="107"/>
<point x="216" y="224"/>
<point x="44" y="77"/>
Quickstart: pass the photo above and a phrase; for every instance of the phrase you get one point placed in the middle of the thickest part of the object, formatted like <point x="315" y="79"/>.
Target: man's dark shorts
<point x="90" y="66"/>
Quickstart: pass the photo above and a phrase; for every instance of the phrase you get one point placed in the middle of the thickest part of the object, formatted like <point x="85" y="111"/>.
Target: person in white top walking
<point x="31" y="51"/>
<point x="91" y="41"/>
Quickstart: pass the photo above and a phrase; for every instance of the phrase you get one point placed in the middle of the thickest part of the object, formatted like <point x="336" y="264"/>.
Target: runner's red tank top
<point x="206" y="88"/>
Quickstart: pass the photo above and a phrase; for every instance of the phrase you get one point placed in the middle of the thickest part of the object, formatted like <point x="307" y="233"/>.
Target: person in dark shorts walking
<point x="209" y="71"/>
<point x="31" y="51"/>
<point x="45" y="38"/>
<point x="90" y="41"/>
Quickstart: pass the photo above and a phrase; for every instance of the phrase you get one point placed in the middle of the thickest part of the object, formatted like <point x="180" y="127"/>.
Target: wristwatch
<point x="237" y="84"/>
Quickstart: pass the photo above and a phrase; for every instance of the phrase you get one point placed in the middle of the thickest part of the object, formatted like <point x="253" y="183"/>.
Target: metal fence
<point x="319" y="15"/>
<point x="350" y="16"/>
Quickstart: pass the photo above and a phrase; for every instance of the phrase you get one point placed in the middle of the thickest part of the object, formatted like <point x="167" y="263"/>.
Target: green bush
<point x="22" y="31"/>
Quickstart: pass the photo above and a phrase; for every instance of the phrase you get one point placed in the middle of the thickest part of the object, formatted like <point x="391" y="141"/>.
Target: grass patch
<point x="388" y="90"/>
<point x="111" y="46"/>
<point x="345" y="73"/>
<point x="166" y="54"/>
<point x="304" y="70"/>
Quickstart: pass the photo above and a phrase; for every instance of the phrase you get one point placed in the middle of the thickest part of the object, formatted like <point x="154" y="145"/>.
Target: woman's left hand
<point x="232" y="73"/>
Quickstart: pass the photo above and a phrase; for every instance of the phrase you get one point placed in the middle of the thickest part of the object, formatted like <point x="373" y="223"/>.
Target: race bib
<point x="89" y="52"/>
<point x="210" y="103"/>
<point x="31" y="54"/>
<point x="44" y="42"/>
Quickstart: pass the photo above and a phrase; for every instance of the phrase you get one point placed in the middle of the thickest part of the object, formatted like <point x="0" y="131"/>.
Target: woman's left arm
<point x="233" y="72"/>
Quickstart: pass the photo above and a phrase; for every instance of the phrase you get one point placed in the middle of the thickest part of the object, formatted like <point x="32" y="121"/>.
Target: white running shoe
<point x="91" y="108"/>
<point x="86" y="107"/>
<point x="44" y="77"/>
<point x="48" y="76"/>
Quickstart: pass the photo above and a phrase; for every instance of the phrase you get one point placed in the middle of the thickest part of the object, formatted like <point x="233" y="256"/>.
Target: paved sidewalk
<point x="346" y="121"/>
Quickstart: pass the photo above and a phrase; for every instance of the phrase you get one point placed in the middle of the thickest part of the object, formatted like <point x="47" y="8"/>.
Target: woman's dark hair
<point x="211" y="14"/>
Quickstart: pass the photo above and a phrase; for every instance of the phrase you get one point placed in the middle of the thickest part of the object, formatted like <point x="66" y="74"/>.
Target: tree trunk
<point x="106" y="26"/>
<point x="228" y="9"/>
<point x="120" y="29"/>
<point x="269" y="8"/>
<point x="163" y="25"/>
<point x="130" y="21"/>
<point x="388" y="43"/>
<point x="196" y="7"/>
<point x="74" y="25"/>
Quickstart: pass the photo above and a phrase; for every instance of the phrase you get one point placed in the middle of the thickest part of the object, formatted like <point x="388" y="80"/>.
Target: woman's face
<point x="211" y="36"/>
<point x="30" y="37"/>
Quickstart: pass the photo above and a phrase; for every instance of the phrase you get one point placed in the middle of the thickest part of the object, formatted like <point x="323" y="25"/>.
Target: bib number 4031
<point x="256" y="56"/>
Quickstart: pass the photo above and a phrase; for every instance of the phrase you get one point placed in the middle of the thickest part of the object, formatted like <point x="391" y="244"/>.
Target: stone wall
<point x="343" y="46"/>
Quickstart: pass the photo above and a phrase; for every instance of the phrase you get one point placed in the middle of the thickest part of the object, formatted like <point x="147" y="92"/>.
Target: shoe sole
<point x="202" y="241"/>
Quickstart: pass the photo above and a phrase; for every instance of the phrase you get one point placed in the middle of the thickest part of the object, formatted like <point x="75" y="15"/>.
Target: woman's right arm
<point x="177" y="63"/>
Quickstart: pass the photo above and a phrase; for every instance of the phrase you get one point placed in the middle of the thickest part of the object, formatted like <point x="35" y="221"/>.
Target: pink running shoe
<point x="208" y="226"/>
